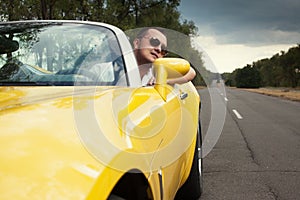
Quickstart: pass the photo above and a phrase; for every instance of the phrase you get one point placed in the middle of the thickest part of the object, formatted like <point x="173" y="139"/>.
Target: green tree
<point x="228" y="78"/>
<point x="290" y="61"/>
<point x="281" y="70"/>
<point x="248" y="77"/>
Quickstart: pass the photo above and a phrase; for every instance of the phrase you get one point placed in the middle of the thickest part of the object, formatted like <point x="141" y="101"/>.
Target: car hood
<point x="42" y="155"/>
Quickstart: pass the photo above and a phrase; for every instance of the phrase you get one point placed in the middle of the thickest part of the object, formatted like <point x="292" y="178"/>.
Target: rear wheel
<point x="132" y="186"/>
<point x="193" y="186"/>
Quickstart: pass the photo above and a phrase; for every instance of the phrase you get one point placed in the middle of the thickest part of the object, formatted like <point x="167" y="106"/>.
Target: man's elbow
<point x="191" y="74"/>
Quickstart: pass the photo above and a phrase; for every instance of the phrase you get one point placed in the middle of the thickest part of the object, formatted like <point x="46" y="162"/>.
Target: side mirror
<point x="165" y="68"/>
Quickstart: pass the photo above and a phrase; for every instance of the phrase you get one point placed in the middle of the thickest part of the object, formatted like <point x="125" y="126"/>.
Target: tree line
<point x="281" y="70"/>
<point x="125" y="14"/>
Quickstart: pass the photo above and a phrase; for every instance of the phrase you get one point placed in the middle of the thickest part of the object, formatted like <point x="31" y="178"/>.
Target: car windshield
<point x="57" y="53"/>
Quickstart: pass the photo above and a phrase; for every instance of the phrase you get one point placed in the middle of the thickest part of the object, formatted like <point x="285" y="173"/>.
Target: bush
<point x="248" y="77"/>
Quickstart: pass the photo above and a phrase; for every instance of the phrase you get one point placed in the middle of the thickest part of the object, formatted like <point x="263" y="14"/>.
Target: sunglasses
<point x="156" y="42"/>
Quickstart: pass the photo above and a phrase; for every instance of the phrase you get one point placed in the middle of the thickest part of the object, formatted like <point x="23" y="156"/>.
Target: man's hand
<point x="151" y="81"/>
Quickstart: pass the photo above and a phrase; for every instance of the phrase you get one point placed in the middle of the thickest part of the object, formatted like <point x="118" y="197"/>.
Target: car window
<point x="52" y="53"/>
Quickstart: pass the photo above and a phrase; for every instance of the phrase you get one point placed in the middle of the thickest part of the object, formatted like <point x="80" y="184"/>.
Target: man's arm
<point x="184" y="79"/>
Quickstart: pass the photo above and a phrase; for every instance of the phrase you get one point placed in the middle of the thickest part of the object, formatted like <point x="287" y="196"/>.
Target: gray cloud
<point x="242" y="21"/>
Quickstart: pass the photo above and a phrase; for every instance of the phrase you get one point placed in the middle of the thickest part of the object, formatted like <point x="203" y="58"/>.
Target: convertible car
<point x="76" y="122"/>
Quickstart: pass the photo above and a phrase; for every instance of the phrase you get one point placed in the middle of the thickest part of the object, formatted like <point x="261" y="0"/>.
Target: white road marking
<point x="225" y="98"/>
<point x="237" y="114"/>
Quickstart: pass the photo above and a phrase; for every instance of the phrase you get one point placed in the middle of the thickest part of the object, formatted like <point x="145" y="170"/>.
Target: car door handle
<point x="183" y="95"/>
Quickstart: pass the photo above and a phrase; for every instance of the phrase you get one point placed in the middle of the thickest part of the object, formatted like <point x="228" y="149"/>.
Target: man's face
<point x="150" y="47"/>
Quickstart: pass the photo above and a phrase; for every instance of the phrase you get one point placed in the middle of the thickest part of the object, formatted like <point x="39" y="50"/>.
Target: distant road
<point x="257" y="155"/>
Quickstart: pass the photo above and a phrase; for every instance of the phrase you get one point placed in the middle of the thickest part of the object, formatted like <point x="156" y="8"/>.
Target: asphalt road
<point x="257" y="153"/>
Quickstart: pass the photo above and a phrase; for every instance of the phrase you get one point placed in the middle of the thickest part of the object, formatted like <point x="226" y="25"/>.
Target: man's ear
<point x="136" y="43"/>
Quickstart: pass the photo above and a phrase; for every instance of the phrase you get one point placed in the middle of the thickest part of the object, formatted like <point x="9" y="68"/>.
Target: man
<point x="150" y="44"/>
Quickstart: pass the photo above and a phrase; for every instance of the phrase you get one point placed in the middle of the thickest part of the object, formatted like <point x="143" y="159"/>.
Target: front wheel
<point x="192" y="188"/>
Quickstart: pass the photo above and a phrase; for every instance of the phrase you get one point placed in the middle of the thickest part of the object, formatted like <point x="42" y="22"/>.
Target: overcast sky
<point x="238" y="32"/>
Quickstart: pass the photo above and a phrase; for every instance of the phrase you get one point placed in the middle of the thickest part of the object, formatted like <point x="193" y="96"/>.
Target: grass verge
<point x="285" y="93"/>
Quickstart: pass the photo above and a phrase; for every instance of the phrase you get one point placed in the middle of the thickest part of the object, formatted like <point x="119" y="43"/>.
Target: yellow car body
<point x="98" y="142"/>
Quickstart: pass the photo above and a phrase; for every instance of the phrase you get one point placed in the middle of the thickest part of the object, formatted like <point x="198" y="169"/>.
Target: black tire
<point x="115" y="197"/>
<point x="193" y="187"/>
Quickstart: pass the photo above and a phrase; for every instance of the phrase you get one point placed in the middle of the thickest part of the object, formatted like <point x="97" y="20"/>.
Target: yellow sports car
<point x="80" y="125"/>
